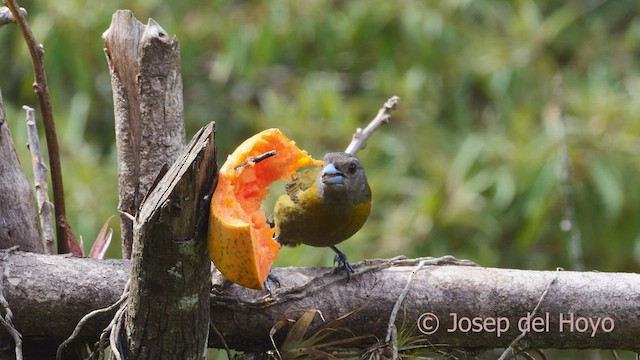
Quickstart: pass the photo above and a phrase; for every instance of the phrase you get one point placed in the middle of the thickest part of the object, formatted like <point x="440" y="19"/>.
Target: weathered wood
<point x="45" y="207"/>
<point x="58" y="290"/>
<point x="6" y="17"/>
<point x="147" y="93"/>
<point x="18" y="219"/>
<point x="49" y="294"/>
<point x="449" y="293"/>
<point x="168" y="306"/>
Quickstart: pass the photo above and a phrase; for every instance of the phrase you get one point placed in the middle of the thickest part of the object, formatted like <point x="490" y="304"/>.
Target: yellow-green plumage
<point x="322" y="209"/>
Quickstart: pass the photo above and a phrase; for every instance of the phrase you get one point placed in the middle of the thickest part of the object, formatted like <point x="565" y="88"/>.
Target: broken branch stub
<point x="168" y="307"/>
<point x="144" y="64"/>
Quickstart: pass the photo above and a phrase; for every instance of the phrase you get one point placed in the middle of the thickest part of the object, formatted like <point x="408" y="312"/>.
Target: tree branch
<point x="35" y="284"/>
<point x="360" y="137"/>
<point x="63" y="230"/>
<point x="6" y="17"/>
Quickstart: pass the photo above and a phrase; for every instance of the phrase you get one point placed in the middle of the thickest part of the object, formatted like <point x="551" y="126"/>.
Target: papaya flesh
<point x="241" y="243"/>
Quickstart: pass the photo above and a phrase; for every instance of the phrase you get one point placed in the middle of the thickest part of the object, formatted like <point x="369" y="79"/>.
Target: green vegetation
<point x="470" y="164"/>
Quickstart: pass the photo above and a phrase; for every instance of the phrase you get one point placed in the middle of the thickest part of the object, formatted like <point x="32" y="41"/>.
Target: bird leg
<point x="272" y="278"/>
<point x="343" y="264"/>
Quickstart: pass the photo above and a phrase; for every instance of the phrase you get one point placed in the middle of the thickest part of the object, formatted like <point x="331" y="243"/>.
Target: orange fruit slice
<point x="241" y="243"/>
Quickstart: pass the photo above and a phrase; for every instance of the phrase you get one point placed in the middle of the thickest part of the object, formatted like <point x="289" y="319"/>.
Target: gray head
<point x="343" y="178"/>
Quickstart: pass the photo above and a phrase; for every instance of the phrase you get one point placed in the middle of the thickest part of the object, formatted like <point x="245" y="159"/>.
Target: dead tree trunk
<point x="167" y="314"/>
<point x="168" y="308"/>
<point x="18" y="217"/>
<point x="147" y="95"/>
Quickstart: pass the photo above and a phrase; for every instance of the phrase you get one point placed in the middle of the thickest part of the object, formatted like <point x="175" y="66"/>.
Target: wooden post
<point x="147" y="95"/>
<point x="168" y="307"/>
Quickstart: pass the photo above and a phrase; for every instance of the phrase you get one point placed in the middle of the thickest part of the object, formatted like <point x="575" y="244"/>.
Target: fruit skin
<point x="241" y="242"/>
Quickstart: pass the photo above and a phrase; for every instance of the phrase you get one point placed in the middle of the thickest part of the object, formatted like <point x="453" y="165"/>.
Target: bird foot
<point x="343" y="263"/>
<point x="273" y="279"/>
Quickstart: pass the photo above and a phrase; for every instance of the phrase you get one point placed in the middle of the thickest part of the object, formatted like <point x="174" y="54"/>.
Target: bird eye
<point x="352" y="167"/>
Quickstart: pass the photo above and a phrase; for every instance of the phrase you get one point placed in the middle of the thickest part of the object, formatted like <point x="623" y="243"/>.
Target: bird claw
<point x="343" y="263"/>
<point x="266" y="284"/>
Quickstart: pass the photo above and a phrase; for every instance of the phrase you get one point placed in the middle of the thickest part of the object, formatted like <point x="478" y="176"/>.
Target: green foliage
<point x="469" y="165"/>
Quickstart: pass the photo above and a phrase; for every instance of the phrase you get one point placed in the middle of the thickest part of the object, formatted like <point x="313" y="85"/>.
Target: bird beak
<point x="331" y="175"/>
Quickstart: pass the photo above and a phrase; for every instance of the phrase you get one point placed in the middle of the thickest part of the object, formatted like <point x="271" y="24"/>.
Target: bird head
<point x="343" y="177"/>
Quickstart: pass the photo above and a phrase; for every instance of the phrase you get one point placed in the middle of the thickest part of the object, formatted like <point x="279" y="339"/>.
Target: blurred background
<point x="516" y="143"/>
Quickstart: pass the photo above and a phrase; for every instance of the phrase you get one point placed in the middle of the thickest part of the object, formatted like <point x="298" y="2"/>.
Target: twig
<point x="116" y="336"/>
<point x="6" y="17"/>
<point x="222" y="340"/>
<point x="86" y="318"/>
<point x="329" y="278"/>
<point x="393" y="337"/>
<point x="41" y="89"/>
<point x="404" y="261"/>
<point x="40" y="180"/>
<point x="113" y="329"/>
<point x="515" y="341"/>
<point x="6" y="320"/>
<point x="101" y="344"/>
<point x="568" y="222"/>
<point x="394" y="312"/>
<point x="359" y="140"/>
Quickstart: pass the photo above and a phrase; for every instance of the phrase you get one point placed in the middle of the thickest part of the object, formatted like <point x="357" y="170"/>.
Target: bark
<point x="40" y="291"/>
<point x="147" y="93"/>
<point x="51" y="293"/>
<point x="168" y="307"/>
<point x="45" y="207"/>
<point x="6" y="17"/>
<point x="18" y="219"/>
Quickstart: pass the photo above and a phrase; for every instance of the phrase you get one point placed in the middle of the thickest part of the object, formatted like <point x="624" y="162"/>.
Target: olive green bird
<point x="325" y="206"/>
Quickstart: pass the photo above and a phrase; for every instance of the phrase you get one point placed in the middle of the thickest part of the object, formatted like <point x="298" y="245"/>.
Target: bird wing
<point x="302" y="182"/>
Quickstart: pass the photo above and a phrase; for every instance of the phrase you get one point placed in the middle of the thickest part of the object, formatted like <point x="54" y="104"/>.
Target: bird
<point x="324" y="206"/>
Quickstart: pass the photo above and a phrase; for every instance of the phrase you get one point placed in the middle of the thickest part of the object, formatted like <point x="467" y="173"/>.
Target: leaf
<point x="318" y="354"/>
<point x="102" y="242"/>
<point x="299" y="329"/>
<point x="74" y="246"/>
<point x="274" y="329"/>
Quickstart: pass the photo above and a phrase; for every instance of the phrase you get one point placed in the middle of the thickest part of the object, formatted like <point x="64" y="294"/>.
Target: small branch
<point x="115" y="339"/>
<point x="40" y="180"/>
<point x="6" y="17"/>
<point x="224" y="344"/>
<point x="86" y="318"/>
<point x="360" y="137"/>
<point x="41" y="89"/>
<point x="534" y="313"/>
<point x="391" y="328"/>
